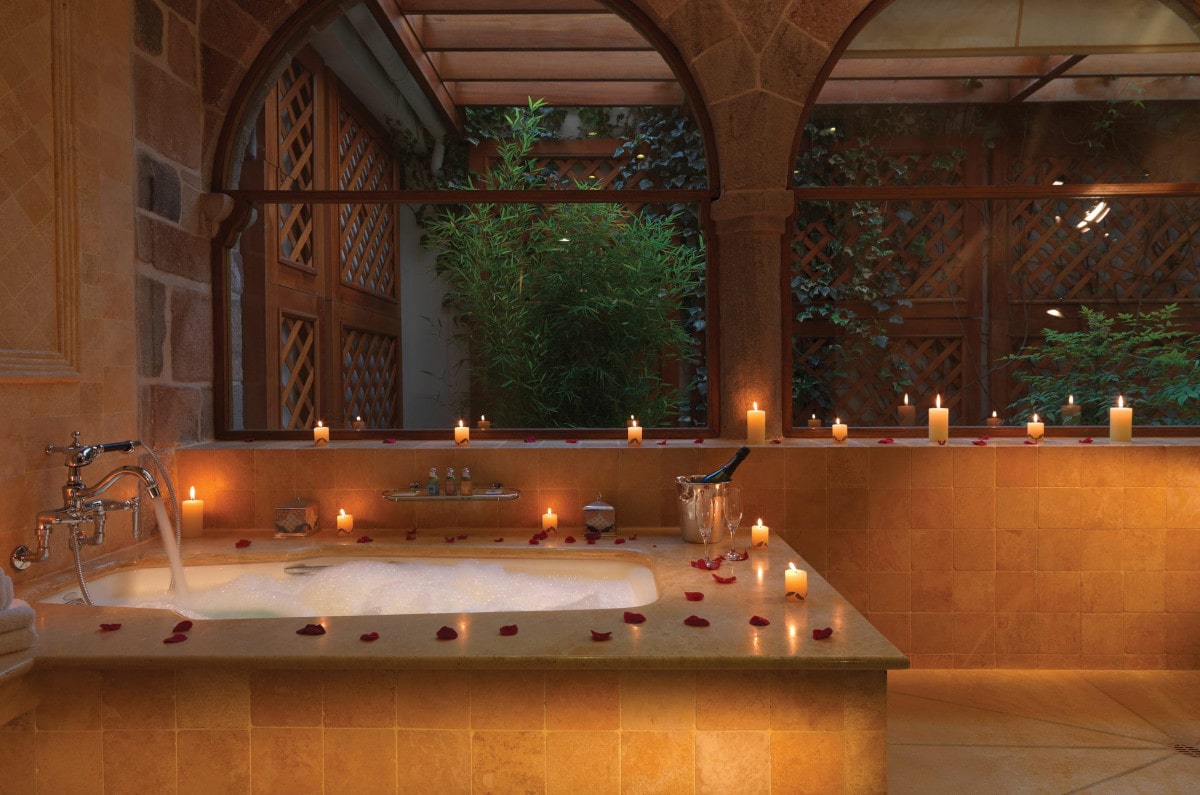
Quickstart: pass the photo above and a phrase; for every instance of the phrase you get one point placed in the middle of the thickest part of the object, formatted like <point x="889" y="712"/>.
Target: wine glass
<point x="732" y="508"/>
<point x="704" y="522"/>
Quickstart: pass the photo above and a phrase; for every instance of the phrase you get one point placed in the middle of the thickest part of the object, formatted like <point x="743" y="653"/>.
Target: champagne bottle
<point x="724" y="473"/>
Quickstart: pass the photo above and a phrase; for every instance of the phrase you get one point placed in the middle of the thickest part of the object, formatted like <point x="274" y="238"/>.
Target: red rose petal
<point x="530" y="439"/>
<point x="449" y="539"/>
<point x="178" y="637"/>
<point x="724" y="580"/>
<point x="569" y="540"/>
<point x="942" y="442"/>
<point x="696" y="621"/>
<point x="985" y="438"/>
<point x="887" y="440"/>
<point x="242" y="544"/>
<point x="707" y="565"/>
<point x="601" y="635"/>
<point x="462" y="536"/>
<point x="633" y="537"/>
<point x="447" y="633"/>
<point x="389" y="441"/>
<point x="777" y="441"/>
<point x="543" y="535"/>
<point x="618" y="541"/>
<point x="311" y="629"/>
<point x="591" y="540"/>
<point x="182" y="626"/>
<point x="822" y="634"/>
<point x="367" y="637"/>
<point x="693" y="596"/>
<point x="364" y="540"/>
<point x="759" y="621"/>
<point x="980" y="442"/>
<point x="497" y="540"/>
<point x="698" y="441"/>
<point x="1086" y="440"/>
<point x="662" y="443"/>
<point x="534" y="541"/>
<point x="109" y="627"/>
<point x="571" y="441"/>
<point x="634" y="618"/>
<point x="508" y="630"/>
<point x="1030" y="441"/>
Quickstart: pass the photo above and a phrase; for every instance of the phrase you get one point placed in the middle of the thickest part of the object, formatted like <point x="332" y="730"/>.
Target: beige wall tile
<point x="973" y="591"/>
<point x="729" y="760"/>
<point x="848" y="467"/>
<point x="579" y="700"/>
<point x="69" y="700"/>
<point x="896" y="627"/>
<point x="848" y="508"/>
<point x="213" y="761"/>
<point x="433" y="761"/>
<point x="1100" y="550"/>
<point x="1145" y="507"/>
<point x="508" y="761"/>
<point x="974" y="466"/>
<point x="932" y="592"/>
<point x="359" y="699"/>
<point x="1145" y="591"/>
<point x="931" y="468"/>
<point x="1058" y="591"/>
<point x="866" y="761"/>
<point x="973" y="508"/>
<point x="889" y="467"/>
<point x="1146" y="467"/>
<point x="750" y="710"/>
<point x="1016" y="466"/>
<point x="1059" y="633"/>
<point x="212" y="699"/>
<point x="1059" y="507"/>
<point x="1144" y="633"/>
<point x="806" y="762"/>
<point x="1101" y="508"/>
<point x="658" y="700"/>
<point x="889" y="509"/>
<point x="1182" y="466"/>
<point x="849" y="550"/>
<point x="974" y="550"/>
<point x="139" y="761"/>
<point x="1059" y="466"/>
<point x="931" y="507"/>
<point x="1016" y="591"/>
<point x="1016" y="550"/>
<point x="657" y="761"/>
<point x="810" y="701"/>
<point x="1016" y="508"/>
<point x="18" y="757"/>
<point x="1101" y="592"/>
<point x="931" y="550"/>
<point x="890" y="548"/>
<point x="286" y="760"/>
<point x="1059" y="550"/>
<point x="433" y="700"/>
<point x="139" y="699"/>
<point x="1183" y="507"/>
<point x="1182" y="592"/>
<point x="890" y="591"/>
<point x="1144" y="549"/>
<point x="508" y="700"/>
<point x="285" y="698"/>
<point x="1183" y="550"/>
<point x="1017" y="637"/>
<point x="360" y="761"/>
<point x="583" y="761"/>
<point x="1100" y="634"/>
<point x="70" y="761"/>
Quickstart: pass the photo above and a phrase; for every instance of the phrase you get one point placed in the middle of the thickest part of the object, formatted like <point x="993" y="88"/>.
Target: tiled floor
<point x="1059" y="732"/>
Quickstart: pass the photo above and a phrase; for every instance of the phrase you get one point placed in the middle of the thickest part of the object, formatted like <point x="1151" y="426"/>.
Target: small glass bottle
<point x="434" y="485"/>
<point x="450" y="484"/>
<point x="464" y="483"/>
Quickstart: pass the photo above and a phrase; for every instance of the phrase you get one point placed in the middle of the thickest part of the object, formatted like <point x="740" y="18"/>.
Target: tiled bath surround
<point x="1063" y="555"/>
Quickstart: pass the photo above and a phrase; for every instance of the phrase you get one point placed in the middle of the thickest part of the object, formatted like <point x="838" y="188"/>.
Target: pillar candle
<point x="908" y="414"/>
<point x="1120" y="422"/>
<point x="939" y="423"/>
<point x="345" y="522"/>
<point x="840" y="431"/>
<point x="1035" y="430"/>
<point x="813" y="422"/>
<point x="756" y="425"/>
<point x="634" y="433"/>
<point x="484" y="423"/>
<point x="462" y="434"/>
<point x="759" y="535"/>
<point x="795" y="583"/>
<point x="549" y="520"/>
<point x="1070" y="412"/>
<point x="320" y="434"/>
<point x="358" y="424"/>
<point x="993" y="421"/>
<point x="192" y="517"/>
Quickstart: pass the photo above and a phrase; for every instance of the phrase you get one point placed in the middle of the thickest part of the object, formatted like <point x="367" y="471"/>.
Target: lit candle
<point x="1070" y="412"/>
<point x="320" y="434"/>
<point x="759" y="535"/>
<point x="358" y="424"/>
<point x="345" y="522"/>
<point x="795" y="583"/>
<point x="993" y="421"/>
<point x="484" y="423"/>
<point x="756" y="425"/>
<point x="839" y="430"/>
<point x="939" y="423"/>
<point x="462" y="434"/>
<point x="1120" y="422"/>
<point x="1035" y="430"/>
<point x="549" y="520"/>
<point x="631" y="421"/>
<point x="634" y="432"/>
<point x="908" y="414"/>
<point x="192" y="518"/>
<point x="813" y="422"/>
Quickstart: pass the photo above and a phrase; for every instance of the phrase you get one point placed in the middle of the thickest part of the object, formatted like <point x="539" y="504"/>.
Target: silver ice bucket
<point x="689" y="493"/>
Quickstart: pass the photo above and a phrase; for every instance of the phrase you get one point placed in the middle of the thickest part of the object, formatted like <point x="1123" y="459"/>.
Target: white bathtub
<point x="341" y="586"/>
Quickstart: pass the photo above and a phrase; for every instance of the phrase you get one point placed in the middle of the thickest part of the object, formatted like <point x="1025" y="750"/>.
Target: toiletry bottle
<point x="724" y="473"/>
<point x="450" y="484"/>
<point x="434" y="486"/>
<point x="464" y="483"/>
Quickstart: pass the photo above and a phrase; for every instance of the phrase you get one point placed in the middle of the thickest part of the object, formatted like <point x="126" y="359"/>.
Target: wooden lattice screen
<point x="297" y="132"/>
<point x="298" y="368"/>
<point x="370" y="376"/>
<point x="367" y="232"/>
<point x="586" y="161"/>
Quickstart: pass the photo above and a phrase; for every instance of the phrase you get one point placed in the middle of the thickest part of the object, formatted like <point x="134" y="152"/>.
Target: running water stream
<point x="166" y="531"/>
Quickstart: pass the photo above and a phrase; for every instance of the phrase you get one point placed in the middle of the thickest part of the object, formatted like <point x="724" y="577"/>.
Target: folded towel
<point x="16" y="640"/>
<point x="6" y="591"/>
<point x="19" y="616"/>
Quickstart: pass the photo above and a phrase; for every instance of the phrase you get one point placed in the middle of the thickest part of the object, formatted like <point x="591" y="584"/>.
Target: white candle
<point x="484" y="423"/>
<point x="939" y="423"/>
<point x="1120" y="422"/>
<point x="634" y="432"/>
<point x="320" y="434"/>
<point x="993" y="421"/>
<point x="795" y="583"/>
<point x="549" y="520"/>
<point x="908" y="414"/>
<point x="462" y="434"/>
<point x="839" y="430"/>
<point x="1035" y="430"/>
<point x="345" y="522"/>
<point x="1070" y="412"/>
<point x="192" y="518"/>
<point x="756" y="425"/>
<point x="759" y="535"/>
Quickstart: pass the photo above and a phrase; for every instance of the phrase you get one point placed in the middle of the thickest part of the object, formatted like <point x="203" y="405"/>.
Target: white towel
<point x="16" y="640"/>
<point x="6" y="591"/>
<point x="19" y="616"/>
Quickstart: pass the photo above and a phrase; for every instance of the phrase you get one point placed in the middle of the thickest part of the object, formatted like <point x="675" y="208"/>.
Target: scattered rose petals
<point x="182" y="626"/>
<point x="592" y="535"/>
<point x="708" y="565"/>
<point x="508" y="630"/>
<point x="591" y="541"/>
<point x="569" y="540"/>
<point x="698" y="441"/>
<point x="634" y="618"/>
<point x="942" y="442"/>
<point x="618" y="541"/>
<point x="411" y="535"/>
<point x="534" y="541"/>
<point x="980" y="442"/>
<point x="311" y="629"/>
<point x="242" y="543"/>
<point x="662" y="443"/>
<point x="696" y="621"/>
<point x="447" y="633"/>
<point x="633" y="537"/>
<point x="759" y="621"/>
<point x="1086" y="440"/>
<point x="571" y="441"/>
<point x="498" y="540"/>
<point x="367" y="637"/>
<point x="389" y="440"/>
<point x="822" y="634"/>
<point x="777" y="441"/>
<point x="364" y="540"/>
<point x="693" y="596"/>
<point x="985" y="438"/>
<point x="601" y="635"/>
<point x="1030" y="441"/>
<point x="178" y="637"/>
<point x="887" y="440"/>
<point x="109" y="627"/>
<point x="542" y="535"/>
<point x="449" y="539"/>
<point x="743" y="555"/>
<point x="530" y="439"/>
<point x="723" y="580"/>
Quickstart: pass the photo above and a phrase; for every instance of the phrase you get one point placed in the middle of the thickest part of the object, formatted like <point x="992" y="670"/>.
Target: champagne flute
<point x="704" y="522"/>
<point x="732" y="508"/>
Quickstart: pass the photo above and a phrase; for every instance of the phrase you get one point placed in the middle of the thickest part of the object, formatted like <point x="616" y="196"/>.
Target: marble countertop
<point x="69" y="635"/>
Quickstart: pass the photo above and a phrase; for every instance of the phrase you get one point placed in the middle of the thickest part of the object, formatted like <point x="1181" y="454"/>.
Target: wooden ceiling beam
<point x="871" y="92"/>
<point x="551" y="64"/>
<point x="407" y="42"/>
<point x="900" y="68"/>
<point x="1055" y="67"/>
<point x="567" y="93"/>
<point x="503" y="6"/>
<point x="1147" y="64"/>
<point x="527" y="32"/>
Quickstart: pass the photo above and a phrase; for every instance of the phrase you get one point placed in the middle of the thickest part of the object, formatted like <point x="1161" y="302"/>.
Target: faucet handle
<point x="79" y="455"/>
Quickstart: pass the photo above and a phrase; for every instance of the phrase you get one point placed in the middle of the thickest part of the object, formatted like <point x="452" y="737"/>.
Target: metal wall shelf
<point x="421" y="495"/>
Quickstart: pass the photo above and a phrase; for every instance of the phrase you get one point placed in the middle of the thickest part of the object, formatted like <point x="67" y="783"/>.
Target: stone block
<point x="172" y="250"/>
<point x="158" y="189"/>
<point x="791" y="62"/>
<point x="191" y="336"/>
<point x="181" y="50"/>
<point x="148" y="27"/>
<point x="184" y="8"/>
<point x="219" y="75"/>
<point x="168" y="117"/>
<point x="172" y="415"/>
<point x="151" y="326"/>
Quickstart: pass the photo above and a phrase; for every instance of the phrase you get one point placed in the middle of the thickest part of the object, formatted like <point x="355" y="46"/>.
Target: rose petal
<point x="634" y="618"/>
<point x="542" y="536"/>
<point x="693" y="596"/>
<point x="887" y="440"/>
<point x="498" y="540"/>
<point x="601" y="635"/>
<point x="696" y="621"/>
<point x="724" y="580"/>
<point x="449" y="539"/>
<point x="447" y="633"/>
<point x="633" y="537"/>
<point x="178" y="637"/>
<point x="985" y="438"/>
<point x="569" y="540"/>
<point x="508" y="630"/>
<point x="662" y="443"/>
<point x="707" y="565"/>
<point x="311" y="629"/>
<point x="534" y="541"/>
<point x="942" y="442"/>
<point x="618" y="541"/>
<point x="389" y="441"/>
<point x="591" y="535"/>
<point x="1086" y="440"/>
<point x="777" y="441"/>
<point x="364" y="540"/>
<point x="182" y="626"/>
<point x="759" y="621"/>
<point x="242" y="544"/>
<point x="822" y="634"/>
<point x="980" y="442"/>
<point x="367" y="637"/>
<point x="530" y="439"/>
<point x="698" y="441"/>
<point x="462" y="536"/>
<point x="1030" y="441"/>
<point x="591" y="541"/>
<point x="571" y="441"/>
<point x="109" y="627"/>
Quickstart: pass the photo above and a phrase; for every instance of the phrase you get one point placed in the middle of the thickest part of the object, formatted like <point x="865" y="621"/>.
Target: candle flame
<point x="756" y="405"/>
<point x="460" y="423"/>
<point x="837" y="420"/>
<point x="634" y="423"/>
<point x="341" y="512"/>
<point x="1120" y="401"/>
<point x="939" y="401"/>
<point x="1070" y="400"/>
<point x="319" y="424"/>
<point x="1035" y="419"/>
<point x="482" y="418"/>
<point x="192" y="492"/>
<point x="906" y="398"/>
<point x="549" y="511"/>
<point x="358" y="418"/>
<point x="993" y="412"/>
<point x="791" y="566"/>
<point x="814" y="415"/>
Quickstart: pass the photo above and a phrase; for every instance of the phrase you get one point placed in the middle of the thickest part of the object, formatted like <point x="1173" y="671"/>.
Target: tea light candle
<point x="192" y="518"/>
<point x="993" y="421"/>
<point x="1070" y="412"/>
<point x="462" y="434"/>
<point x="358" y="424"/>
<point x="840" y="431"/>
<point x="759" y="535"/>
<point x="484" y="423"/>
<point x="756" y="425"/>
<point x="908" y="414"/>
<point x="795" y="582"/>
<point x="939" y="423"/>
<point x="345" y="522"/>
<point x="631" y="421"/>
<point x="320" y="434"/>
<point x="549" y="520"/>
<point x="1035" y="430"/>
<point x="634" y="432"/>
<point x="813" y="422"/>
<point x="1120" y="422"/>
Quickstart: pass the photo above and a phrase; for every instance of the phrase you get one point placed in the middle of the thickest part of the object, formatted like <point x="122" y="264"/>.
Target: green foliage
<point x="569" y="311"/>
<point x="1147" y="357"/>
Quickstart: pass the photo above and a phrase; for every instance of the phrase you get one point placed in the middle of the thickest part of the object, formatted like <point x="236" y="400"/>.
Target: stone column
<point x="749" y="226"/>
